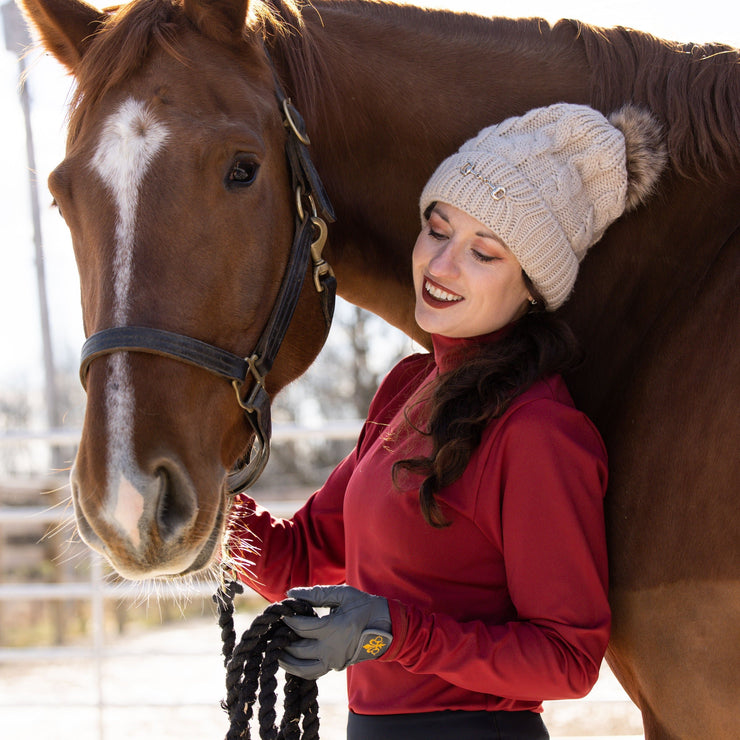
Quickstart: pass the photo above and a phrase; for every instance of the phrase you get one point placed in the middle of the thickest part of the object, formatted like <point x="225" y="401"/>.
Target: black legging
<point x="448" y="725"/>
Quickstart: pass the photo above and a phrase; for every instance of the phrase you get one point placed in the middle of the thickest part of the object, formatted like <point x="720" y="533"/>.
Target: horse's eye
<point x="243" y="171"/>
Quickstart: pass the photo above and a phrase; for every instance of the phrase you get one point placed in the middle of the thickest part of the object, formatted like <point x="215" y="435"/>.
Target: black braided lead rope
<point x="252" y="664"/>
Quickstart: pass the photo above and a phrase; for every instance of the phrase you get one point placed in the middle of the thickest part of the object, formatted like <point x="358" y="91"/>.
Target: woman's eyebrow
<point x="440" y="214"/>
<point x="485" y="234"/>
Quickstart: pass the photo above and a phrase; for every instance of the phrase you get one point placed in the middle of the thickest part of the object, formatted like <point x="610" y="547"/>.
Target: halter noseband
<point x="313" y="210"/>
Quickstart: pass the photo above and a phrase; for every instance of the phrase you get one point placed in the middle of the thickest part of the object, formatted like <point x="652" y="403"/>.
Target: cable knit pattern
<point x="547" y="183"/>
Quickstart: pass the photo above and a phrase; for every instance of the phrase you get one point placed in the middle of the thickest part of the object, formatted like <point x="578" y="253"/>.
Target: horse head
<point x="176" y="190"/>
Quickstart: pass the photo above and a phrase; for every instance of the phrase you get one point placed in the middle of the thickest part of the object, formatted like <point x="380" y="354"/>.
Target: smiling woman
<point x="468" y="283"/>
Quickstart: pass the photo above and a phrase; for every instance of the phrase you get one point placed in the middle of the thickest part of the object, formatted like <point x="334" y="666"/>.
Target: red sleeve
<point x="549" y="466"/>
<point x="308" y="549"/>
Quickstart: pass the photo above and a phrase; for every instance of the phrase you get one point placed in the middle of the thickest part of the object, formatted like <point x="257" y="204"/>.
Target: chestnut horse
<point x="178" y="196"/>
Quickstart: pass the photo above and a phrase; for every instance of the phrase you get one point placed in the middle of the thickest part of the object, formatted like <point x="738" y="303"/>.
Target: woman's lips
<point x="437" y="296"/>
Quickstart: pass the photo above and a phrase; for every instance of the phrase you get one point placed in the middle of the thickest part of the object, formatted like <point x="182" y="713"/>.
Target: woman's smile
<point x="437" y="296"/>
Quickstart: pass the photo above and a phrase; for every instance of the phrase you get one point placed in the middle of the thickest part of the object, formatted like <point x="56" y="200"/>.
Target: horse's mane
<point x="693" y="89"/>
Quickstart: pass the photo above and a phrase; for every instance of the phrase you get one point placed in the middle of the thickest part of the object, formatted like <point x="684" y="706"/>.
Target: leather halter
<point x="313" y="210"/>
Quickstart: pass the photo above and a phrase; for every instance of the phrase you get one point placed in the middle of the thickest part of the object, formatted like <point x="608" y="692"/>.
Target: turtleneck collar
<point x="450" y="351"/>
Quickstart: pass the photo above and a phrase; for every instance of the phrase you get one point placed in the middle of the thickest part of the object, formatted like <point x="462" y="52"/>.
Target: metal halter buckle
<point x="288" y="111"/>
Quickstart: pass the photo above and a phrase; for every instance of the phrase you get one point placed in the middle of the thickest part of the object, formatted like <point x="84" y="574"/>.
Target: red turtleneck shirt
<point x="504" y="608"/>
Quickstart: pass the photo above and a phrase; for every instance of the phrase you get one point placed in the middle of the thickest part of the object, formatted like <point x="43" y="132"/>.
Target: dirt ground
<point x="167" y="683"/>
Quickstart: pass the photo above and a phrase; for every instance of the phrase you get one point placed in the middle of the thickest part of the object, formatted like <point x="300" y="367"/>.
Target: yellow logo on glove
<point x="375" y="645"/>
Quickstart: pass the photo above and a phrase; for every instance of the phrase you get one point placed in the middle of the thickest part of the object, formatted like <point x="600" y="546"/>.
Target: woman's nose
<point x="444" y="261"/>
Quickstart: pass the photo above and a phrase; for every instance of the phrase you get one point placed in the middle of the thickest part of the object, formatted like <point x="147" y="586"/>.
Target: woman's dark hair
<point x="481" y="388"/>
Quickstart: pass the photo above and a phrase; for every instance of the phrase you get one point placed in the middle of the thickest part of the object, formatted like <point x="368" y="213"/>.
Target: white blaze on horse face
<point x="128" y="511"/>
<point x="130" y="139"/>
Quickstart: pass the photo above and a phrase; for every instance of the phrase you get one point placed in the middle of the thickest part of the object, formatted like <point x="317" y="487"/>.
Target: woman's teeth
<point x="439" y="294"/>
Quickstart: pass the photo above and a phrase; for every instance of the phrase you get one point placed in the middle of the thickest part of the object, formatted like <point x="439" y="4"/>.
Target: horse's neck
<point x="401" y="90"/>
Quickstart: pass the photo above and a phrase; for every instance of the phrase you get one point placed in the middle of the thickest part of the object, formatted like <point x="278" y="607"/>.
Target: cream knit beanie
<point x="550" y="182"/>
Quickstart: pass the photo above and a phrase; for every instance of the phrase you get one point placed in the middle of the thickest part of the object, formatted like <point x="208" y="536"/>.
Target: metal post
<point x="17" y="40"/>
<point x="97" y="604"/>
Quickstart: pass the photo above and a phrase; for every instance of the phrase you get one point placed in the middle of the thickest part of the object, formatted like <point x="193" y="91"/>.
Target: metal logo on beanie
<point x="550" y="182"/>
<point x="496" y="192"/>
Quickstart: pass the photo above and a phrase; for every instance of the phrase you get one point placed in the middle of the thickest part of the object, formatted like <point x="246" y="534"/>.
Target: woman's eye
<point x="483" y="257"/>
<point x="243" y="172"/>
<point x="436" y="234"/>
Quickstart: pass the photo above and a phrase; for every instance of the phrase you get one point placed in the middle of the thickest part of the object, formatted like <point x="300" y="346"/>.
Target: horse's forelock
<point x="279" y="17"/>
<point x="123" y="42"/>
<point x="119" y="48"/>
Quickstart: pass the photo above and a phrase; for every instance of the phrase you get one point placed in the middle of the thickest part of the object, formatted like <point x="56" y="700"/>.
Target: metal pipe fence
<point x="97" y="590"/>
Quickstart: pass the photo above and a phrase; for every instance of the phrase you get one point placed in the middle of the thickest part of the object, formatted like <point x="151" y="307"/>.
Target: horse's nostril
<point x="177" y="507"/>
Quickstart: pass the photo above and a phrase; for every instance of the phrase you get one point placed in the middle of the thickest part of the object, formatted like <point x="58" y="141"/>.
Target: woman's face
<point x="467" y="282"/>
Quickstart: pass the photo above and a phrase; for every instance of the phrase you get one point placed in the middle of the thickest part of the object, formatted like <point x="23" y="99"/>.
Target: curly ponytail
<point x="480" y="389"/>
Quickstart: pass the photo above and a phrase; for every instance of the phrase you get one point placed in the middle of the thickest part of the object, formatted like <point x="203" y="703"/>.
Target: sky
<point x="21" y="360"/>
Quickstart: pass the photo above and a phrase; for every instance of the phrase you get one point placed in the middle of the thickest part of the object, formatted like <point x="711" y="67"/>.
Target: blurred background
<point x="84" y="655"/>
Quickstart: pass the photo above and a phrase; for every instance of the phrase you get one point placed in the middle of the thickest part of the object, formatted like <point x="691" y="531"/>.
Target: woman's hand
<point x="358" y="627"/>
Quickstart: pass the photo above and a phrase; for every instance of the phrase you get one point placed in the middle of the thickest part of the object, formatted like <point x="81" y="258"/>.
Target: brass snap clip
<point x="320" y="266"/>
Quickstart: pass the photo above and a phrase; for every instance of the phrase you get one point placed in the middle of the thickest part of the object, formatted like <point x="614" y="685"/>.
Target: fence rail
<point x="96" y="590"/>
<point x="281" y="432"/>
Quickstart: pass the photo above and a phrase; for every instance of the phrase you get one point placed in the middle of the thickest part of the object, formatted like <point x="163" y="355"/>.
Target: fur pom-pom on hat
<point x="550" y="182"/>
<point x="645" y="152"/>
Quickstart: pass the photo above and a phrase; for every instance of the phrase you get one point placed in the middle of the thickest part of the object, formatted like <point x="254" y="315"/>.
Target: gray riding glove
<point x="358" y="627"/>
